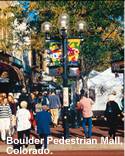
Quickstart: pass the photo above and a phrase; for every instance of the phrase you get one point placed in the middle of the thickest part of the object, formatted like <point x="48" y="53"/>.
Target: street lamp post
<point x="64" y="50"/>
<point x="63" y="27"/>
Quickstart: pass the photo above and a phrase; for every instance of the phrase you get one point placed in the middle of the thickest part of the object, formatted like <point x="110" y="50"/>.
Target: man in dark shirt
<point x="111" y="113"/>
<point x="25" y="97"/>
<point x="54" y="105"/>
<point x="43" y="121"/>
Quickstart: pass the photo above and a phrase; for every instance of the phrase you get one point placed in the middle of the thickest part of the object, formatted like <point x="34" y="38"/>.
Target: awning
<point x="10" y="76"/>
<point x="19" y="73"/>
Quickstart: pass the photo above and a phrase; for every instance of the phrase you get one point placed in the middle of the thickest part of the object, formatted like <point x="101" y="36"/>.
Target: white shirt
<point x="23" y="119"/>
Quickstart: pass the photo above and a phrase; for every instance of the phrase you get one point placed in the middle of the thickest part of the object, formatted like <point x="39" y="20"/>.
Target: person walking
<point x="54" y="105"/>
<point x="111" y="113"/>
<point x="23" y="122"/>
<point x="45" y="100"/>
<point x="12" y="104"/>
<point x="5" y="118"/>
<point x="43" y="121"/>
<point x="24" y="96"/>
<point x="85" y="104"/>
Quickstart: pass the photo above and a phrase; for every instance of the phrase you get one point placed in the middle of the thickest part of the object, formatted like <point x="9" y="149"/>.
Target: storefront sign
<point x="55" y="71"/>
<point x="118" y="66"/>
<point x="16" y="61"/>
<point x="74" y="71"/>
<point x="4" y="77"/>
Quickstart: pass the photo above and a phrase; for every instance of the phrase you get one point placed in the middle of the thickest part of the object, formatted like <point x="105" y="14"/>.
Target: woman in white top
<point x="5" y="118"/>
<point x="23" y="122"/>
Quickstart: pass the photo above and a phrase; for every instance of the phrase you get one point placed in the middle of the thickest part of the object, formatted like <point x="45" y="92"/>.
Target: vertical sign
<point x="73" y="51"/>
<point x="55" y="52"/>
<point x="65" y="97"/>
<point x="55" y="48"/>
<point x="55" y="71"/>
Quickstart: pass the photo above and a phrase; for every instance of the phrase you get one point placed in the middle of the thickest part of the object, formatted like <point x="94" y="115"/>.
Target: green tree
<point x="104" y="35"/>
<point x="6" y="19"/>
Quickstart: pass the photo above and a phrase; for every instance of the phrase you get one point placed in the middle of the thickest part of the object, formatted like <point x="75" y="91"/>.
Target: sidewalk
<point x="98" y="132"/>
<point x="76" y="147"/>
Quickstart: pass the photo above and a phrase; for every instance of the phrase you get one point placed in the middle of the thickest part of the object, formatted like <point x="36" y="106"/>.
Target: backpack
<point x="108" y="111"/>
<point x="45" y="101"/>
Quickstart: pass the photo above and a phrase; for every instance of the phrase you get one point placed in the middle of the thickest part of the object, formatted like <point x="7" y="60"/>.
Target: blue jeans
<point x="88" y="132"/>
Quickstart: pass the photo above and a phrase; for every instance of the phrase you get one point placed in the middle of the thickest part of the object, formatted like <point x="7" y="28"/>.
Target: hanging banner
<point x="73" y="48"/>
<point x="73" y="51"/>
<point x="55" y="53"/>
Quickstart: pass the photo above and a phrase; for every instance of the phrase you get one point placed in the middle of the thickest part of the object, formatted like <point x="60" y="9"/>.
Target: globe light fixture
<point x="46" y="27"/>
<point x="64" y="21"/>
<point x="82" y="26"/>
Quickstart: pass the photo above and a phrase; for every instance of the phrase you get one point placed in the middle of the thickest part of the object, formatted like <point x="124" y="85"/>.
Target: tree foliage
<point x="104" y="19"/>
<point x="6" y="20"/>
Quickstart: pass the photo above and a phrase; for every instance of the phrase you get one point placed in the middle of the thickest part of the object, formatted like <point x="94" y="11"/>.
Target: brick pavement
<point x="98" y="132"/>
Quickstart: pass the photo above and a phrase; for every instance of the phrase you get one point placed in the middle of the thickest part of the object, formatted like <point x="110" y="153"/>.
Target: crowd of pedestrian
<point x="39" y="111"/>
<point x="35" y="111"/>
